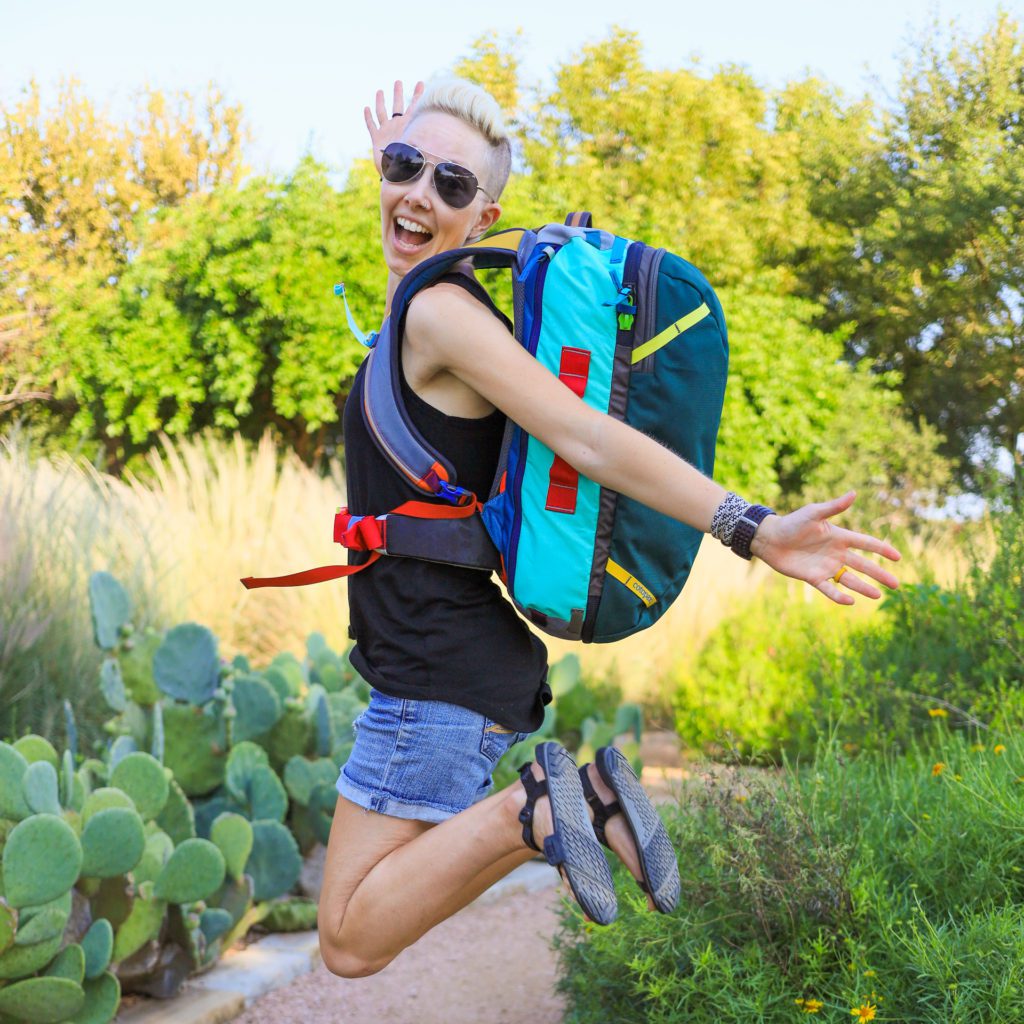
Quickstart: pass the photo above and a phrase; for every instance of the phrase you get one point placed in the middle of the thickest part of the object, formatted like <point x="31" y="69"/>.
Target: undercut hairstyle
<point x="476" y="107"/>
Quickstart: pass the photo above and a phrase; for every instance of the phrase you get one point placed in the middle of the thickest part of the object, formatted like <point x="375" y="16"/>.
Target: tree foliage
<point x="226" y="318"/>
<point x="76" y="192"/>
<point x="927" y="253"/>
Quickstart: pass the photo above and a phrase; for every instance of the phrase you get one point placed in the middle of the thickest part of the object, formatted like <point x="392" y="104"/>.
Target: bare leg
<point x="387" y="881"/>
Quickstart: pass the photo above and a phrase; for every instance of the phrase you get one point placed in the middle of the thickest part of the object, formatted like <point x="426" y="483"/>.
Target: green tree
<point x="929" y="263"/>
<point x="76" y="190"/>
<point x="226" y="318"/>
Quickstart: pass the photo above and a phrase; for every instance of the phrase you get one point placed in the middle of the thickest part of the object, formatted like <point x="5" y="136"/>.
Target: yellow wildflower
<point x="978" y="748"/>
<point x="810" y="1005"/>
<point x="998" y="748"/>
<point x="864" y="1013"/>
<point x="938" y="712"/>
<point x="938" y="768"/>
<point x="869" y="974"/>
<point x="926" y="816"/>
<point x="959" y="778"/>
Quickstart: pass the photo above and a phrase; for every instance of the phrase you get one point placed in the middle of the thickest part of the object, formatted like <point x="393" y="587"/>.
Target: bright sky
<point x="304" y="70"/>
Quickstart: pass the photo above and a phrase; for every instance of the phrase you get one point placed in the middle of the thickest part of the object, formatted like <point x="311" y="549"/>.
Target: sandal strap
<point x="602" y="811"/>
<point x="535" y="789"/>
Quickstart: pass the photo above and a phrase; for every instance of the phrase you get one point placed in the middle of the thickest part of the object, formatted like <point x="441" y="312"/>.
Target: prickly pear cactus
<point x="274" y="863"/>
<point x="111" y="609"/>
<point x="113" y="841"/>
<point x="41" y="860"/>
<point x="257" y="707"/>
<point x="194" y="871"/>
<point x="195" y="747"/>
<point x="186" y="666"/>
<point x="144" y="779"/>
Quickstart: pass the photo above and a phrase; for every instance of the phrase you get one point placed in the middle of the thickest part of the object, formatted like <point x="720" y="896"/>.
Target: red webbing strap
<point x="366" y="534"/>
<point x="563" y="480"/>
<point x="302" y="579"/>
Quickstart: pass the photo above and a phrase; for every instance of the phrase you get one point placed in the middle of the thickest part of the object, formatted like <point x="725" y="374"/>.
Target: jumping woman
<point x="456" y="676"/>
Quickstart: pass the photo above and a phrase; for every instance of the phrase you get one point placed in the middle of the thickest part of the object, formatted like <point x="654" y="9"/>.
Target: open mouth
<point x="409" y="238"/>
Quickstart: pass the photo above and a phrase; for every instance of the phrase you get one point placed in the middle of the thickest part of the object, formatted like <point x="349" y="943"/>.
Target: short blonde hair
<point x="476" y="107"/>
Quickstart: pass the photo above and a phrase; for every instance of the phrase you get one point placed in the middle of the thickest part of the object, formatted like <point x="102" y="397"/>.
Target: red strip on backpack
<point x="563" y="480"/>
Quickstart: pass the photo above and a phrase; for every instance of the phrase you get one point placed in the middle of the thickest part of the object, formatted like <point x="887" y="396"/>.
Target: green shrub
<point x="893" y="881"/>
<point x="754" y="686"/>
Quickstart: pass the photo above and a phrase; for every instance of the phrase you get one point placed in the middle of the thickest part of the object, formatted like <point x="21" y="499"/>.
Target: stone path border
<point x="242" y="976"/>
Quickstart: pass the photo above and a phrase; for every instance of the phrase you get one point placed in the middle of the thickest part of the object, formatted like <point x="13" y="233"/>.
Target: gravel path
<point x="490" y="962"/>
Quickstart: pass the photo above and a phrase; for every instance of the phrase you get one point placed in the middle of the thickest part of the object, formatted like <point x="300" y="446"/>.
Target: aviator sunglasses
<point x="456" y="185"/>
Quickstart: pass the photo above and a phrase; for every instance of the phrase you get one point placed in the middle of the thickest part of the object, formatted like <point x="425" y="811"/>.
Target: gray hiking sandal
<point x="572" y="846"/>
<point x="657" y="856"/>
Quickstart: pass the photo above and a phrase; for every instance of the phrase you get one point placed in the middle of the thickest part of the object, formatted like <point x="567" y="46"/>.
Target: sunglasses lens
<point x="455" y="185"/>
<point x="399" y="162"/>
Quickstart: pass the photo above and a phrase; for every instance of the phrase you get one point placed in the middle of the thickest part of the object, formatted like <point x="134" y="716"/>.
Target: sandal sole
<point x="584" y="865"/>
<point x="658" y="862"/>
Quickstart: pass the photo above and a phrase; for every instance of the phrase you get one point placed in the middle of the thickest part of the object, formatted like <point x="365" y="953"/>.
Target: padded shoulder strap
<point x="387" y="419"/>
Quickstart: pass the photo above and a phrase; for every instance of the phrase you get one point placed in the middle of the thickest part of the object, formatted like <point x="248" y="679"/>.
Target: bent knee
<point x="348" y="963"/>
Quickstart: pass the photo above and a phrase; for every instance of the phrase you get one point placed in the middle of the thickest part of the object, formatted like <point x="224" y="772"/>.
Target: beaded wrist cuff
<point x="726" y="516"/>
<point x="747" y="527"/>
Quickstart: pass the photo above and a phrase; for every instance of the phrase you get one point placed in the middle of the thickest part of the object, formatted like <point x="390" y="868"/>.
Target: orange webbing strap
<point x="417" y="509"/>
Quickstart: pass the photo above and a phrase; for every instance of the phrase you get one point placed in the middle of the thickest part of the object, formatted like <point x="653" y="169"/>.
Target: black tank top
<point x="429" y="631"/>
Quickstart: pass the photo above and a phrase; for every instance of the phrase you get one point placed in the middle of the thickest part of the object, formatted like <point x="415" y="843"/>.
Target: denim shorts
<point x="422" y="759"/>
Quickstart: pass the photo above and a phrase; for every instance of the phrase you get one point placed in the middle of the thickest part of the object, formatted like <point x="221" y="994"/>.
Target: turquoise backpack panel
<point x="555" y="550"/>
<point x="688" y="373"/>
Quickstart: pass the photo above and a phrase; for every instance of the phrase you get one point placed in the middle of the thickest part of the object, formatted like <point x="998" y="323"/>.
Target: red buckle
<point x="359" y="533"/>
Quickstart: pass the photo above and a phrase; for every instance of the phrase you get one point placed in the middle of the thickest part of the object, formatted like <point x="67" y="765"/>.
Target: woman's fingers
<point x="872" y="569"/>
<point x="398" y="105"/>
<point x="853" y="582"/>
<point x="827" y="509"/>
<point x="865" y="542"/>
<point x="382" y="111"/>
<point x="833" y="593"/>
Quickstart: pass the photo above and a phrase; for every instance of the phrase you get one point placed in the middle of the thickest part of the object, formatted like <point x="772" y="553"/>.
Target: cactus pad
<point x="177" y="819"/>
<point x="112" y="685"/>
<point x="104" y="797"/>
<point x="186" y="666"/>
<point x="290" y="668"/>
<point x="41" y="1000"/>
<point x="257" y="705"/>
<point x="293" y="915"/>
<point x="141" y="925"/>
<point x="137" y="669"/>
<point x="35" y="748"/>
<point x="111" y="609"/>
<point x="98" y="945"/>
<point x="8" y="925"/>
<point x="48" y="922"/>
<point x="157" y="748"/>
<point x="20" y="961"/>
<point x="293" y="734"/>
<point x="232" y="835"/>
<point x="121" y="748"/>
<point x="301" y="776"/>
<point x="41" y="860"/>
<point x="195" y="871"/>
<point x="113" y="841"/>
<point x="142" y="777"/>
<point x="214" y="922"/>
<point x="194" y="748"/>
<point x="243" y="760"/>
<point x="156" y="854"/>
<point x="39" y="787"/>
<point x="274" y="863"/>
<point x="12" y="770"/>
<point x="102" y="997"/>
<point x="68" y="963"/>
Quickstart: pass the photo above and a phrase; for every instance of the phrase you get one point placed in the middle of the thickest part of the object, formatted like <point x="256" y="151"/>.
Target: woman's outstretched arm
<point x="449" y="331"/>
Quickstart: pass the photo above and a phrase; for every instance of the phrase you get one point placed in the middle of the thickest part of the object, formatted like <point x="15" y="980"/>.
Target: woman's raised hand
<point x="805" y="546"/>
<point x="386" y="129"/>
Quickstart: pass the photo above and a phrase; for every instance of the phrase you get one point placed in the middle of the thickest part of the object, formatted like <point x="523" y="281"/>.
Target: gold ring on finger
<point x="839" y="575"/>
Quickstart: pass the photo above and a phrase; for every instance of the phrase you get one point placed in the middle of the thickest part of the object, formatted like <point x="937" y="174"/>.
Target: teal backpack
<point x="636" y="332"/>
